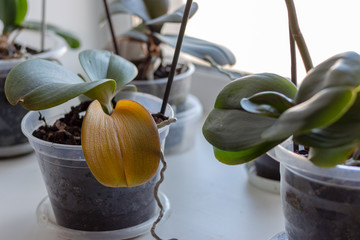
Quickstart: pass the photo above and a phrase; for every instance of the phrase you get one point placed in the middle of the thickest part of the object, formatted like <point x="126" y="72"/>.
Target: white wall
<point x="80" y="17"/>
<point x="257" y="30"/>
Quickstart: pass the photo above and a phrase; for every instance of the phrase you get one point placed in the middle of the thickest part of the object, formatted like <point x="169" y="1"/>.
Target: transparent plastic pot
<point x="179" y="90"/>
<point x="77" y="199"/>
<point x="12" y="141"/>
<point x="318" y="203"/>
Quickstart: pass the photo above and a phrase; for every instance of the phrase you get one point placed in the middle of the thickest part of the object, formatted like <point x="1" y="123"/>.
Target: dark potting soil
<point x="267" y="167"/>
<point x="16" y="51"/>
<point x="162" y="71"/>
<point x="67" y="130"/>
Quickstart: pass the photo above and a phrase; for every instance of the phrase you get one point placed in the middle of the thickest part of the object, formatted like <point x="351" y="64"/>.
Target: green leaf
<point x="138" y="33"/>
<point x="71" y="39"/>
<point x="132" y="7"/>
<point x="12" y="13"/>
<point x="340" y="70"/>
<point x="174" y="17"/>
<point x="157" y="8"/>
<point x="342" y="132"/>
<point x="234" y="158"/>
<point x="200" y="48"/>
<point x="247" y="86"/>
<point x="101" y="64"/>
<point x="235" y="130"/>
<point x="330" y="157"/>
<point x="40" y="84"/>
<point x="267" y="103"/>
<point x="321" y="110"/>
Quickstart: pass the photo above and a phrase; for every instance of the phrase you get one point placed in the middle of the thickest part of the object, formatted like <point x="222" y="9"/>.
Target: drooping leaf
<point x="321" y="110"/>
<point x="267" y="103"/>
<point x="234" y="158"/>
<point x="132" y="7"/>
<point x="330" y="157"/>
<point x="123" y="149"/>
<point x="174" y="17"/>
<point x="40" y="84"/>
<point x="247" y="86"/>
<point x="200" y="48"/>
<point x="71" y="39"/>
<point x="235" y="130"/>
<point x="340" y="70"/>
<point x="101" y="64"/>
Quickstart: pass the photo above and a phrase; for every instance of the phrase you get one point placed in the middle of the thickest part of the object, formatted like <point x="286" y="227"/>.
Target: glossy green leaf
<point x="40" y="84"/>
<point x="200" y="48"/>
<point x="267" y="103"/>
<point x="101" y="64"/>
<point x="321" y="110"/>
<point x="340" y="70"/>
<point x="12" y="13"/>
<point x="234" y="158"/>
<point x="330" y="157"/>
<point x="247" y="86"/>
<point x="235" y="130"/>
<point x="71" y="39"/>
<point x="174" y="17"/>
<point x="342" y="132"/>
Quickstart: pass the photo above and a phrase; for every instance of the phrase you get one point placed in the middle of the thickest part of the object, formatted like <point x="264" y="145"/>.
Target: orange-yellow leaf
<point x="123" y="149"/>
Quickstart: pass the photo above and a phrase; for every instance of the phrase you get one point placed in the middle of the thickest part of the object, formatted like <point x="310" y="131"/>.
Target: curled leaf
<point x="121" y="149"/>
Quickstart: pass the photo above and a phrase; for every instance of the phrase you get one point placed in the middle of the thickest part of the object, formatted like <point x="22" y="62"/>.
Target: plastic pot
<point x="12" y="141"/>
<point x="318" y="203"/>
<point x="77" y="199"/>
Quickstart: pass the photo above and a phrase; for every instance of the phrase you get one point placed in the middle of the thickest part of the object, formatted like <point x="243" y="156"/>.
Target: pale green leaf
<point x="330" y="157"/>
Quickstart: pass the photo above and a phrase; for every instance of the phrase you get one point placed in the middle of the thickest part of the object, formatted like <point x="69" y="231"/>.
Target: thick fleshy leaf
<point x="40" y="84"/>
<point x="121" y="149"/>
<point x="132" y="7"/>
<point x="330" y="157"/>
<point x="267" y="103"/>
<point x="71" y="39"/>
<point x="340" y="70"/>
<point x="174" y="17"/>
<point x="101" y="64"/>
<point x="138" y="33"/>
<point x="235" y="130"/>
<point x="342" y="132"/>
<point x="319" y="111"/>
<point x="247" y="86"/>
<point x="200" y="48"/>
<point x="12" y="13"/>
<point x="234" y="158"/>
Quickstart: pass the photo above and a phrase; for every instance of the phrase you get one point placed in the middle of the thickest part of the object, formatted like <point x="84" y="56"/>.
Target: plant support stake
<point x="43" y="26"/>
<point x="111" y="27"/>
<point x="176" y="54"/>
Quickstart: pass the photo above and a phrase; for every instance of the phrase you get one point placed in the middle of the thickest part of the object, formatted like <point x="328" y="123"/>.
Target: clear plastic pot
<point x="77" y="199"/>
<point x="179" y="90"/>
<point x="318" y="203"/>
<point x="12" y="141"/>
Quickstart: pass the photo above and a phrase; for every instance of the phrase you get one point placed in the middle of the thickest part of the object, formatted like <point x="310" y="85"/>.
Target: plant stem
<point x="111" y="27"/>
<point x="156" y="194"/>
<point x="176" y="54"/>
<point x="298" y="37"/>
<point x="43" y="26"/>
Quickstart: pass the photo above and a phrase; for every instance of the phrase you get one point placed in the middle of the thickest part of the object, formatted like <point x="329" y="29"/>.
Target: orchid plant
<point x="121" y="145"/>
<point x="12" y="16"/>
<point x="255" y="113"/>
<point x="154" y="15"/>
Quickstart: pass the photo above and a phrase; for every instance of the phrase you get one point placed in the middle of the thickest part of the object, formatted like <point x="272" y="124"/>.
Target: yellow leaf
<point x="123" y="149"/>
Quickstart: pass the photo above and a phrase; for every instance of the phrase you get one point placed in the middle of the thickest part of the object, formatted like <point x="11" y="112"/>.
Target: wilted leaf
<point x="123" y="149"/>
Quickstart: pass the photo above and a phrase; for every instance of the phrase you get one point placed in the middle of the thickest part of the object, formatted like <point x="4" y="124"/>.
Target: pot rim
<point x="283" y="153"/>
<point x="186" y="74"/>
<point x="28" y="134"/>
<point x="56" y="45"/>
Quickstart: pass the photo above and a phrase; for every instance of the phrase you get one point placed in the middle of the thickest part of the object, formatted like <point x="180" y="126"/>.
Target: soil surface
<point x="67" y="130"/>
<point x="15" y="50"/>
